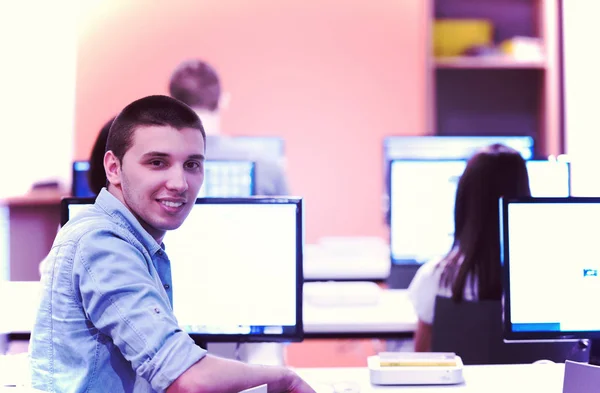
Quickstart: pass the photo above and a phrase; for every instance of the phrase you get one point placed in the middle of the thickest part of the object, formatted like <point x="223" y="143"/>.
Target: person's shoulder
<point x="431" y="268"/>
<point x="87" y="224"/>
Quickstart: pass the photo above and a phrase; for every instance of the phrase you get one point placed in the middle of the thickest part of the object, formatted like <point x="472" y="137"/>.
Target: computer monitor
<point x="222" y="178"/>
<point x="272" y="147"/>
<point x="423" y="194"/>
<point x="450" y="147"/>
<point x="551" y="269"/>
<point x="437" y="147"/>
<point x="236" y="268"/>
<point x="228" y="178"/>
<point x="80" y="186"/>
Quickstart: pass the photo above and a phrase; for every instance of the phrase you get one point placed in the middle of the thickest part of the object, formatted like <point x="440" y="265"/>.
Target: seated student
<point x="96" y="174"/>
<point x="471" y="269"/>
<point x="197" y="84"/>
<point x="105" y="322"/>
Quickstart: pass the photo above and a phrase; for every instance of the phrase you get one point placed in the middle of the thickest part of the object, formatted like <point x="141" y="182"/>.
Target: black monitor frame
<point x="297" y="334"/>
<point x="509" y="333"/>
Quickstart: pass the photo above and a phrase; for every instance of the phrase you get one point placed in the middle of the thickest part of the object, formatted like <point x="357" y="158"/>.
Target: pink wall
<point x="332" y="77"/>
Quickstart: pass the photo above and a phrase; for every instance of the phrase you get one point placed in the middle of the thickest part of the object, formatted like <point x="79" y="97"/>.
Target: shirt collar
<point x="124" y="217"/>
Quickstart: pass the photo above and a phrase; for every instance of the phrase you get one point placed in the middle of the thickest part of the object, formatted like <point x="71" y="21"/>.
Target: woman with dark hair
<point x="471" y="269"/>
<point x="96" y="174"/>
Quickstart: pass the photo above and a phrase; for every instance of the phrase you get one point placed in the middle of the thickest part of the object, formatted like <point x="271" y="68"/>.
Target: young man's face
<point x="160" y="176"/>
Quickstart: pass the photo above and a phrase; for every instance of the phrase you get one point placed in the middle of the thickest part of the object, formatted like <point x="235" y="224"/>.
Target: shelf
<point x="487" y="63"/>
<point x="36" y="198"/>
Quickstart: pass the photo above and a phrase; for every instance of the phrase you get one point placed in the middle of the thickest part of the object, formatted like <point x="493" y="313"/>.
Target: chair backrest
<point x="473" y="330"/>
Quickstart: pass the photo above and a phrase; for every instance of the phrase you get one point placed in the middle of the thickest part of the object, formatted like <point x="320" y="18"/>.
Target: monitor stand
<point x="272" y="354"/>
<point x="583" y="377"/>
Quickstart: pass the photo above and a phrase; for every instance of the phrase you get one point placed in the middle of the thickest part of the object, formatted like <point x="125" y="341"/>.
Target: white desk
<point x="392" y="316"/>
<point x="546" y="378"/>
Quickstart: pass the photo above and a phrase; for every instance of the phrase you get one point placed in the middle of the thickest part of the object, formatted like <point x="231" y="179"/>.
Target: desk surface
<point x="547" y="378"/>
<point x="392" y="315"/>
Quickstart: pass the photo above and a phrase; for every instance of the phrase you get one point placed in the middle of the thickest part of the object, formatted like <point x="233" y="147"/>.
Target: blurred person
<point x="197" y="84"/>
<point x="471" y="269"/>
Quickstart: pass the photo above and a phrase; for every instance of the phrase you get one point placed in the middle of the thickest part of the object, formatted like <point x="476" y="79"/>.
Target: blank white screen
<point x="551" y="247"/>
<point x="235" y="264"/>
<point x="423" y="195"/>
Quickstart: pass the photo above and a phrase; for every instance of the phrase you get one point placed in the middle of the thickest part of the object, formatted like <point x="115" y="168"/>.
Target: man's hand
<point x="292" y="384"/>
<point x="216" y="375"/>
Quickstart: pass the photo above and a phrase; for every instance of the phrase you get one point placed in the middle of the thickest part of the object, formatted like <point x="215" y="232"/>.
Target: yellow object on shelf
<point x="451" y="37"/>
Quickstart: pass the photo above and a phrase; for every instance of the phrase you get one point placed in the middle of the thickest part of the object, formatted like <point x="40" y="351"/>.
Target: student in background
<point x="471" y="269"/>
<point x="197" y="84"/>
<point x="105" y="322"/>
<point x="97" y="175"/>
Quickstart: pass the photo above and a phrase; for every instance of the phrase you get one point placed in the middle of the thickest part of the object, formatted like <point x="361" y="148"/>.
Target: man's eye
<point x="156" y="163"/>
<point x="193" y="165"/>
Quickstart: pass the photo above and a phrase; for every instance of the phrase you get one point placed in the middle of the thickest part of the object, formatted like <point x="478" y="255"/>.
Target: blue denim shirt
<point x="105" y="321"/>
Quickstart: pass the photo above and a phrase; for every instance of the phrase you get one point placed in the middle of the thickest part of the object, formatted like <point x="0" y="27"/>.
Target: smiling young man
<point x="105" y="322"/>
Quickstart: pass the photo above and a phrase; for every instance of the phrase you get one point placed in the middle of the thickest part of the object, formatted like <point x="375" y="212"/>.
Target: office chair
<point x="473" y="330"/>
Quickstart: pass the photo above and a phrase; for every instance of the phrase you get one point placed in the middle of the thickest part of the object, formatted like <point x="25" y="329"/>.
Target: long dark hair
<point x="493" y="172"/>
<point x="96" y="174"/>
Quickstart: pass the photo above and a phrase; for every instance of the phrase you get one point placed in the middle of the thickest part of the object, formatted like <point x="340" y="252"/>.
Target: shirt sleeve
<point x="423" y="290"/>
<point x="123" y="301"/>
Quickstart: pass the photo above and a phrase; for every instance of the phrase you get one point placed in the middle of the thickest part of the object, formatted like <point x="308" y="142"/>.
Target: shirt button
<point x="167" y="286"/>
<point x="160" y="252"/>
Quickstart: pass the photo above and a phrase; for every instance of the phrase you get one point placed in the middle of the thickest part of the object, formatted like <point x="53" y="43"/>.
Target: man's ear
<point x="112" y="167"/>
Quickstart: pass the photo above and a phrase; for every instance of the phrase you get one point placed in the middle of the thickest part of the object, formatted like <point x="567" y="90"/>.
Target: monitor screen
<point x="435" y="147"/>
<point x="222" y="178"/>
<point x="80" y="185"/>
<point x="268" y="146"/>
<point x="236" y="268"/>
<point x="422" y="211"/>
<point x="551" y="267"/>
<point x="228" y="178"/>
<point x="450" y="147"/>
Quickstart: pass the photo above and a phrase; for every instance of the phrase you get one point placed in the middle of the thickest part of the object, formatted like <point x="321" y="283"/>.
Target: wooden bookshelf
<point x="488" y="63"/>
<point x="499" y="95"/>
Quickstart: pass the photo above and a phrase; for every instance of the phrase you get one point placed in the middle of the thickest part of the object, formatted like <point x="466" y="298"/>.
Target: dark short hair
<point x="97" y="174"/>
<point x="196" y="83"/>
<point x="495" y="171"/>
<point x="152" y="110"/>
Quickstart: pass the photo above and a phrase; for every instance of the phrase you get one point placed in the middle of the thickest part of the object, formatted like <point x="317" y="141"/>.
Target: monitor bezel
<point x="533" y="335"/>
<point x="297" y="334"/>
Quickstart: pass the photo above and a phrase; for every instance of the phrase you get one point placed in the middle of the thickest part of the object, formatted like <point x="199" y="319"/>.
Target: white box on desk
<point x="414" y="375"/>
